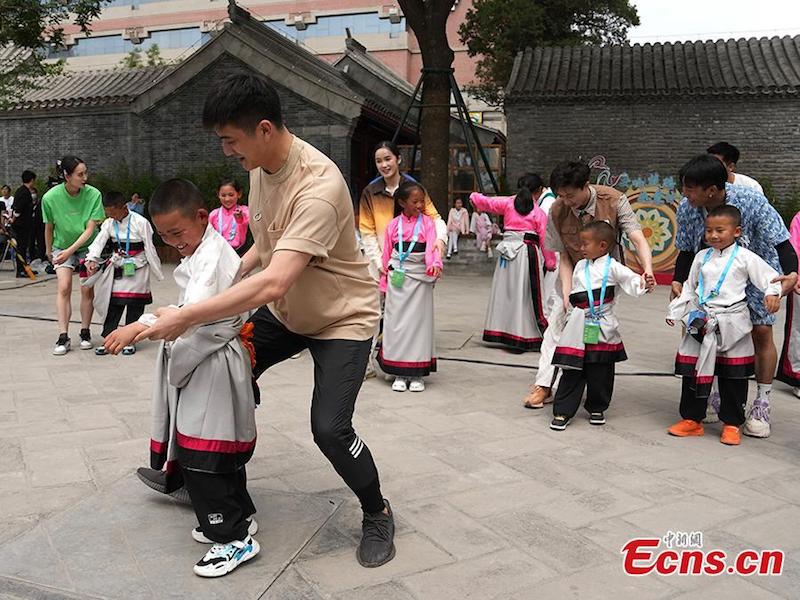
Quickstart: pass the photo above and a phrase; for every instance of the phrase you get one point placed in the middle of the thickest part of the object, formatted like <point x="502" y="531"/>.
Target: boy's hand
<point x="171" y="324"/>
<point x="670" y="322"/>
<point x="773" y="303"/>
<point x="91" y="267"/>
<point x="124" y="336"/>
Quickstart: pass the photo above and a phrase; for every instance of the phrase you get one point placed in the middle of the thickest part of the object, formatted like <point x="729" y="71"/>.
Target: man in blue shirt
<point x="705" y="186"/>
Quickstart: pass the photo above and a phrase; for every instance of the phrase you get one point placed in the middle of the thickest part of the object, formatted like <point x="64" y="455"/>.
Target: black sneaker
<point x="597" y="418"/>
<point x="377" y="538"/>
<point x="157" y="480"/>
<point x="50" y="269"/>
<point x="559" y="423"/>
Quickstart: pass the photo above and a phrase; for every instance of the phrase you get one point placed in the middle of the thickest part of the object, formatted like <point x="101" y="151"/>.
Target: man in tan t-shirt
<point x="314" y="290"/>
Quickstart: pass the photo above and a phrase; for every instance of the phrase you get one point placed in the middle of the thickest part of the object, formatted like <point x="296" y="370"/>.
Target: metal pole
<point x="484" y="158"/>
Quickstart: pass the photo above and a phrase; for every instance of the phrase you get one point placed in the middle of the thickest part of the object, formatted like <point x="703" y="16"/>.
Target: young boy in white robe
<point x="718" y="338"/>
<point x="119" y="262"/>
<point x="590" y="345"/>
<point x="204" y="428"/>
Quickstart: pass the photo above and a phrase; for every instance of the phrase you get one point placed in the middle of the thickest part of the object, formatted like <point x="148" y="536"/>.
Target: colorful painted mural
<point x="655" y="201"/>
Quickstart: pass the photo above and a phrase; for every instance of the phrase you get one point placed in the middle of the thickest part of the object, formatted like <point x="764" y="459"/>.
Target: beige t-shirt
<point x="305" y="206"/>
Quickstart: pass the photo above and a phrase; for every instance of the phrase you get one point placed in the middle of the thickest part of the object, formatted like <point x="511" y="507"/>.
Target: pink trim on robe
<point x="535" y="221"/>
<point x="427" y="233"/>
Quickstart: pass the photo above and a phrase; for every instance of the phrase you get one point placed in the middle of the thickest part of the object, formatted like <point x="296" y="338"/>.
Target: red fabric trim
<point x="739" y="360"/>
<point x="604" y="347"/>
<point x="158" y="447"/>
<point x="510" y="336"/>
<point x="704" y="379"/>
<point x="685" y="360"/>
<point x="570" y="351"/>
<point x="132" y="295"/>
<point x="223" y="446"/>
<point x="408" y="365"/>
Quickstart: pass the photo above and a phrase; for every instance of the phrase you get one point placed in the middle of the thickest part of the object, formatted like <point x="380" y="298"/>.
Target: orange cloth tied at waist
<point x="246" y="337"/>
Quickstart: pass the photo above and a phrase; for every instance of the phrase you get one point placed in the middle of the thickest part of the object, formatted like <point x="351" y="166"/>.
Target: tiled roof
<point x="725" y="67"/>
<point x="90" y="88"/>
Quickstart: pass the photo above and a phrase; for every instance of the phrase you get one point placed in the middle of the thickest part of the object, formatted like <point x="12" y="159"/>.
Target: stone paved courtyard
<point x="489" y="502"/>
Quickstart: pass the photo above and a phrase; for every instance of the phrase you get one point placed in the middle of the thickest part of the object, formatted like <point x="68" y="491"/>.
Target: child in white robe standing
<point x="718" y="339"/>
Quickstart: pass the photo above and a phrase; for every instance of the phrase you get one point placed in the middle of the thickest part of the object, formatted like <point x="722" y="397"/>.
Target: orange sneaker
<point x="730" y="435"/>
<point x="538" y="397"/>
<point x="685" y="428"/>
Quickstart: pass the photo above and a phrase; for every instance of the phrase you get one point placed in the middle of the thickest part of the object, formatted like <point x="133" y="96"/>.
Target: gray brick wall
<point x="658" y="135"/>
<point x="164" y="141"/>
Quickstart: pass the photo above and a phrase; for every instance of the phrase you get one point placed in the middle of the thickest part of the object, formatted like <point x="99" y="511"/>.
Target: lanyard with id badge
<point x="697" y="319"/>
<point x="591" y="328"/>
<point x="128" y="264"/>
<point x="398" y="276"/>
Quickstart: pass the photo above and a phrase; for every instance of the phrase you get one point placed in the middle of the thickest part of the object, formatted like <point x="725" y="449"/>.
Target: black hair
<point x="602" y="231"/>
<point x="176" y="194"/>
<point x="231" y="181"/>
<point x="28" y="176"/>
<point x="390" y="146"/>
<point x="569" y="174"/>
<point x="403" y="192"/>
<point x="527" y="184"/>
<point x="67" y="165"/>
<point x="726" y="210"/>
<point x="114" y="199"/>
<point x="5" y="187"/>
<point x="242" y="100"/>
<point x="703" y="171"/>
<point x="728" y="152"/>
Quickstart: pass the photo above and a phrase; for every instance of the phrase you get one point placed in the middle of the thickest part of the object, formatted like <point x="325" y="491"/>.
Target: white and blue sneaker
<point x="198" y="536"/>
<point x="221" y="559"/>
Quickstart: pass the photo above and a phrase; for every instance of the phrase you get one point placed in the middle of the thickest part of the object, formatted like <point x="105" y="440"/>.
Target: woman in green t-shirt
<point x="71" y="211"/>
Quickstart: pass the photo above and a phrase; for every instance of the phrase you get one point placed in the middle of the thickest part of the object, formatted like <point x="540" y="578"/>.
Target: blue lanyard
<point x="414" y="237"/>
<point x="715" y="292"/>
<point x="128" y="240"/>
<point x="232" y="235"/>
<point x="595" y="314"/>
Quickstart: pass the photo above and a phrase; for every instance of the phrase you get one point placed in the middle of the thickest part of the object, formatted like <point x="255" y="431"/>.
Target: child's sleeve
<point x="761" y="274"/>
<point x="681" y="305"/>
<point x="388" y="244"/>
<point x="495" y="205"/>
<point x="213" y="219"/>
<point x="432" y="256"/>
<point x="473" y="225"/>
<point x="627" y="279"/>
<point x="550" y="260"/>
<point x="150" y="250"/>
<point x="245" y="215"/>
<point x="96" y="247"/>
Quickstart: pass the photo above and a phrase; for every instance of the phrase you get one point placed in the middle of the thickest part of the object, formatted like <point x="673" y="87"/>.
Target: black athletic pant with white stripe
<point x="339" y="367"/>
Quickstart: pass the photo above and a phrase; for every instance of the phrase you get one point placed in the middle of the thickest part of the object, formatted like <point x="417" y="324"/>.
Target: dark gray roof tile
<point x="724" y="67"/>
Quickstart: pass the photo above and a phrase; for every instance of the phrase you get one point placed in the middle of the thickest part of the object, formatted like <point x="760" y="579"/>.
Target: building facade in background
<point x="180" y="27"/>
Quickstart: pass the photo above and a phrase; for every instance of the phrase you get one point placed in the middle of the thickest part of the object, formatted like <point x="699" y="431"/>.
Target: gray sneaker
<point x="377" y="538"/>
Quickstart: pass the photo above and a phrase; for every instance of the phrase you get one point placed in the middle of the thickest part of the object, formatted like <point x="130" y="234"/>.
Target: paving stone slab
<point x="127" y="542"/>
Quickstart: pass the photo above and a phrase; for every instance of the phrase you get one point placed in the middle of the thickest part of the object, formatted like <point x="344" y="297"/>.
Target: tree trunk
<point x="428" y="21"/>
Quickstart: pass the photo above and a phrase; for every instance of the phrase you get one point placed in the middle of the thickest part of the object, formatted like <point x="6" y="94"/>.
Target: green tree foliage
<point x="32" y="27"/>
<point x="136" y="58"/>
<point x="496" y="30"/>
